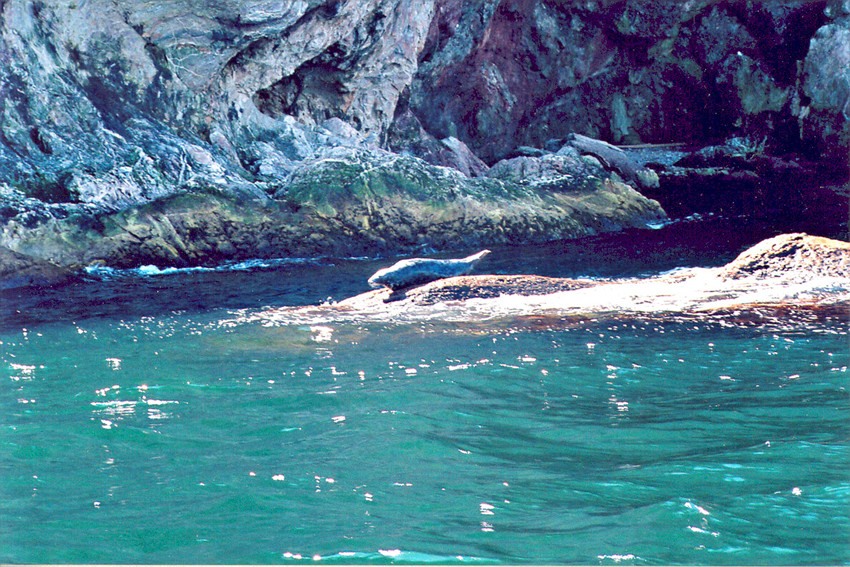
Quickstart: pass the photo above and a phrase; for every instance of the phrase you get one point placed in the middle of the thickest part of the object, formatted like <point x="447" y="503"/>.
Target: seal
<point x="417" y="271"/>
<point x="615" y="159"/>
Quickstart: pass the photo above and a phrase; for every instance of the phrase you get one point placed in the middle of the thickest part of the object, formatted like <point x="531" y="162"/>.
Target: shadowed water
<point x="709" y="241"/>
<point x="165" y="420"/>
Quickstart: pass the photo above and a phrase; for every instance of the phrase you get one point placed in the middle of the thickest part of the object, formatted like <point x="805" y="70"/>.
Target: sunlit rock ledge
<point x="779" y="277"/>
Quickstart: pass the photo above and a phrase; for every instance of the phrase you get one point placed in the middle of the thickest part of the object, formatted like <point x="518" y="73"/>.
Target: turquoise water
<point x="206" y="434"/>
<point x="200" y="439"/>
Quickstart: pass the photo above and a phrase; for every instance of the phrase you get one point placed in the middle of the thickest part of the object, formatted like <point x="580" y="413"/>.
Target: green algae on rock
<point x="349" y="203"/>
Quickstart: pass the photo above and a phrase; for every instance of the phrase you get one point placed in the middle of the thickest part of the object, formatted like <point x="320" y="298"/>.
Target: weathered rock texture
<point x="498" y="75"/>
<point x="349" y="202"/>
<point x="788" y="274"/>
<point x="195" y="131"/>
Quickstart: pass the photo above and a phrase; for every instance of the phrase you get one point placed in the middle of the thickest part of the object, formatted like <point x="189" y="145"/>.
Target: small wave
<point x="108" y="273"/>
<point x="659" y="224"/>
<point x="695" y="217"/>
<point x="259" y="264"/>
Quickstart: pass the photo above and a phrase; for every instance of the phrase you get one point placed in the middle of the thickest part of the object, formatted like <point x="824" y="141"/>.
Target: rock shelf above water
<point x="786" y="275"/>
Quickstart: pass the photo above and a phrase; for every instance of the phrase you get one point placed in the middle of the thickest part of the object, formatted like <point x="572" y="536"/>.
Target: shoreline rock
<point x="17" y="270"/>
<point x="788" y="274"/>
<point x="349" y="202"/>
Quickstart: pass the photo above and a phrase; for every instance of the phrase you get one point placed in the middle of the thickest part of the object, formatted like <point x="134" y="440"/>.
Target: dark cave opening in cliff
<point x="315" y="91"/>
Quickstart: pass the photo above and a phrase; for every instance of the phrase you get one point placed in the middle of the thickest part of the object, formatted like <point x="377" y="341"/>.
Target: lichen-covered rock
<point x="348" y="202"/>
<point x="86" y="85"/>
<point x="492" y="75"/>
<point x="404" y="202"/>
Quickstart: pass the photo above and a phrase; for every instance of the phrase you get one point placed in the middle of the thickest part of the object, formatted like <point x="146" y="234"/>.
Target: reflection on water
<point x="180" y="439"/>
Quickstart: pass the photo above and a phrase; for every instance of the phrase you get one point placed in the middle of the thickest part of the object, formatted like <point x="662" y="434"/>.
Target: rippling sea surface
<point x="155" y="418"/>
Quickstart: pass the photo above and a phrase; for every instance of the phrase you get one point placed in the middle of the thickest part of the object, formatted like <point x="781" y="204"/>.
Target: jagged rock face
<point x="310" y="59"/>
<point x="106" y="105"/>
<point x="84" y="83"/>
<point x="503" y="74"/>
<point x="824" y="108"/>
<point x="181" y="93"/>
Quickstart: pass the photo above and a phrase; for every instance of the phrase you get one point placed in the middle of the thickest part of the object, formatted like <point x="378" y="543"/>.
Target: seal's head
<point x="475" y="257"/>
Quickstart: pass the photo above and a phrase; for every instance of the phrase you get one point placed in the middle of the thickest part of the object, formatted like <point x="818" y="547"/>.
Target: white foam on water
<point x="149" y="270"/>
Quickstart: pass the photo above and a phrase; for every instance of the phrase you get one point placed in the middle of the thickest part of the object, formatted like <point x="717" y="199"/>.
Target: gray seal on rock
<point x="417" y="271"/>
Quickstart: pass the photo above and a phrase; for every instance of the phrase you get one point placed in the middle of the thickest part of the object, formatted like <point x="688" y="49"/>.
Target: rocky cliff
<point x="504" y="74"/>
<point x="180" y="132"/>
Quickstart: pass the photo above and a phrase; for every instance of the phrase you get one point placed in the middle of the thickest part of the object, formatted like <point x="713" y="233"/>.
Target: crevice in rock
<point x="315" y="91"/>
<point x="320" y="88"/>
<point x="38" y="140"/>
<point x="781" y="49"/>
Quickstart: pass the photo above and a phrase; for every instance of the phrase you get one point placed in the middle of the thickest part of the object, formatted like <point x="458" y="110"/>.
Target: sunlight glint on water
<point x="181" y="439"/>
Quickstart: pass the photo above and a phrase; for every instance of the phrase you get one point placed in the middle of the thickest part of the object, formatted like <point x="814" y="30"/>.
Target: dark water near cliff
<point x="152" y="419"/>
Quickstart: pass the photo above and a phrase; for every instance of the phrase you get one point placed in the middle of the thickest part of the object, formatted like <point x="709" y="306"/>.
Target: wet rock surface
<point x="17" y="270"/>
<point x="785" y="274"/>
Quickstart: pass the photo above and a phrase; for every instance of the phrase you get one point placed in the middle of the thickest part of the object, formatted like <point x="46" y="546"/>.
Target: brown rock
<point x="17" y="270"/>
<point x="792" y="256"/>
<point x="787" y="274"/>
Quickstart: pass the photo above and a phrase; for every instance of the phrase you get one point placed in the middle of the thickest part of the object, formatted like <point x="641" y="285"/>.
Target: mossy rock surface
<point x="351" y="177"/>
<point x="348" y="203"/>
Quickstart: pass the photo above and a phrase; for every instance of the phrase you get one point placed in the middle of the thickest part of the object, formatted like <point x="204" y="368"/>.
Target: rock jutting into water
<point x="182" y="132"/>
<point x="791" y="272"/>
